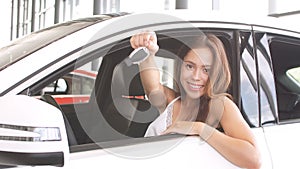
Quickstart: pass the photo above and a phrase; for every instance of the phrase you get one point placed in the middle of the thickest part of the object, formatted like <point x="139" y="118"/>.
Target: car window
<point x="73" y="87"/>
<point x="267" y="91"/>
<point x="248" y="76"/>
<point x="123" y="102"/>
<point x="285" y="57"/>
<point x="58" y="86"/>
<point x="103" y="98"/>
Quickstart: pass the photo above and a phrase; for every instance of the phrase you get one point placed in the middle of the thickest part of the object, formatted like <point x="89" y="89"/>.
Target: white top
<point x="162" y="122"/>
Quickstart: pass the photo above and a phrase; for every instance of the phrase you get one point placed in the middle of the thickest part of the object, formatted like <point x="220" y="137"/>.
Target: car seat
<point x="119" y="108"/>
<point x="130" y="102"/>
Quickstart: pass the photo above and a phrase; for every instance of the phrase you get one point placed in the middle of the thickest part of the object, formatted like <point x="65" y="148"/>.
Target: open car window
<point x="103" y="98"/>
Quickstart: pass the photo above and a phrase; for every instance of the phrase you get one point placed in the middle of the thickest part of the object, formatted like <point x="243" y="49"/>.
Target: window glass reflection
<point x="248" y="79"/>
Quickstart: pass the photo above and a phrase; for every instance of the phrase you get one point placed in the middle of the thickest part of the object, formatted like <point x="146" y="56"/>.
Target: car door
<point x="278" y="54"/>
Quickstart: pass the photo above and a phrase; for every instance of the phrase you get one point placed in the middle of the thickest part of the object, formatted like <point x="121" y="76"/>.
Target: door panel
<point x="283" y="142"/>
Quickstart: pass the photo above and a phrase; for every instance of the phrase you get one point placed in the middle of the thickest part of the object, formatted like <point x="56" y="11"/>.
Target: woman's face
<point x="194" y="72"/>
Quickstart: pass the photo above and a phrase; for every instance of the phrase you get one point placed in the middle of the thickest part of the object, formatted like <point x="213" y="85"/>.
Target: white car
<point x="107" y="129"/>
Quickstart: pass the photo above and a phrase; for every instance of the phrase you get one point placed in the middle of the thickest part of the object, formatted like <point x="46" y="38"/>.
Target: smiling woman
<point x="201" y="105"/>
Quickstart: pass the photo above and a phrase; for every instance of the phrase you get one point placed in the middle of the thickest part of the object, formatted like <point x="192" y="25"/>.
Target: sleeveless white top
<point x="162" y="122"/>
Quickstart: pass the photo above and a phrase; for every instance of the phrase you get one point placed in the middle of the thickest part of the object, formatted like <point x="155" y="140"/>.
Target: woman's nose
<point x="197" y="74"/>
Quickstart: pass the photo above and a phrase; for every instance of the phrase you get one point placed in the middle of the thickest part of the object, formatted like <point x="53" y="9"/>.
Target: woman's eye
<point x="189" y="67"/>
<point x="206" y="70"/>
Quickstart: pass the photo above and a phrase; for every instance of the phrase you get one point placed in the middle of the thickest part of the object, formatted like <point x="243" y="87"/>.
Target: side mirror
<point x="32" y="132"/>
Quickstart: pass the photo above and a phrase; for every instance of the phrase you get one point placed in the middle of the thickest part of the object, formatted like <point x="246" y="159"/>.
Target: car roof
<point x="53" y="33"/>
<point x="225" y="17"/>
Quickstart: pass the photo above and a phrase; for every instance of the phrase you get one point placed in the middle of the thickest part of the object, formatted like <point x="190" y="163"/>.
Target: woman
<point x="202" y="105"/>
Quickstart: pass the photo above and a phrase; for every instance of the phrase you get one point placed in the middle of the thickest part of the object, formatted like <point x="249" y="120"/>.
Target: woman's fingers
<point x="141" y="41"/>
<point x="145" y="39"/>
<point x="134" y="41"/>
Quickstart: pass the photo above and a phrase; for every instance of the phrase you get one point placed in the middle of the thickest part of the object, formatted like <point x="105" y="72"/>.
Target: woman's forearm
<point x="240" y="152"/>
<point x="150" y="75"/>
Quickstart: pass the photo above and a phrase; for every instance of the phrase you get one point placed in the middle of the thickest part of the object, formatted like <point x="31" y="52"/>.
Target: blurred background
<point x="21" y="17"/>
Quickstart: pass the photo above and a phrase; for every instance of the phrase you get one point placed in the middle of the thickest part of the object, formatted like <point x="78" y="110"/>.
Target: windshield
<point x="30" y="43"/>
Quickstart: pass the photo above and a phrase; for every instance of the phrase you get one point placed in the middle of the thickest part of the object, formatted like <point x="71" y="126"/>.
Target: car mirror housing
<point x="32" y="132"/>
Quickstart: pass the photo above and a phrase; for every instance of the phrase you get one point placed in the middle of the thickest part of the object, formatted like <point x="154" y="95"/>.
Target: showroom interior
<point x="26" y="16"/>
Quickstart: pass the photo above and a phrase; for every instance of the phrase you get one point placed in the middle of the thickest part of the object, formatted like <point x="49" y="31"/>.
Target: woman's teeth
<point x="195" y="86"/>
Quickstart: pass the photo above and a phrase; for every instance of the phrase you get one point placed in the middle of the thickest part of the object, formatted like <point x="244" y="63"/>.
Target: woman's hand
<point x="145" y="39"/>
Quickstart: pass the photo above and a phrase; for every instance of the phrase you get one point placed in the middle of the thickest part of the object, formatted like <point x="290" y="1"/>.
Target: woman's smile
<point x="195" y="86"/>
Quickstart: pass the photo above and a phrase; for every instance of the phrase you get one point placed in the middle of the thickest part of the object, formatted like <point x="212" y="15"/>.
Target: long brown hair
<point x="219" y="75"/>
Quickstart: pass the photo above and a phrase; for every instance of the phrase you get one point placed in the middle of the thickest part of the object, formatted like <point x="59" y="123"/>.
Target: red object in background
<point x="71" y="99"/>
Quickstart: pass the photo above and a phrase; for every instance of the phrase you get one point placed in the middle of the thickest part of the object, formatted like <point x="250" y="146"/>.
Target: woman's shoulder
<point x="223" y="99"/>
<point x="229" y="106"/>
<point x="223" y="103"/>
